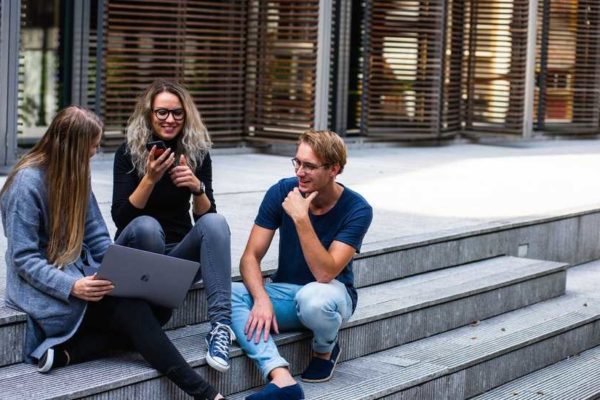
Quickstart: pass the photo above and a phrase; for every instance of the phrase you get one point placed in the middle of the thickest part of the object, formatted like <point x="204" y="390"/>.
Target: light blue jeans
<point x="318" y="307"/>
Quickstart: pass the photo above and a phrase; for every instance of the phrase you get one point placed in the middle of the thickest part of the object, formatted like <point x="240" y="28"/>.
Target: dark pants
<point x="120" y="323"/>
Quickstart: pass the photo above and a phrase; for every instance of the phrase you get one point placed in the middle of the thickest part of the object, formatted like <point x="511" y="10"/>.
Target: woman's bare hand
<point x="183" y="176"/>
<point x="156" y="167"/>
<point x="91" y="289"/>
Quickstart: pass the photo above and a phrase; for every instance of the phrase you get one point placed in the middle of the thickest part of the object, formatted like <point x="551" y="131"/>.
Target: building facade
<point x="264" y="71"/>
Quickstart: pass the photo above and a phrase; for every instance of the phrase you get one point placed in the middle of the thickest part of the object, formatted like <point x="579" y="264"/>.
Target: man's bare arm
<point x="325" y="264"/>
<point x="262" y="317"/>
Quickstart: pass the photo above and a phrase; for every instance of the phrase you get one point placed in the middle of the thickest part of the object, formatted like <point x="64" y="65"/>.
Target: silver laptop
<point x="159" y="279"/>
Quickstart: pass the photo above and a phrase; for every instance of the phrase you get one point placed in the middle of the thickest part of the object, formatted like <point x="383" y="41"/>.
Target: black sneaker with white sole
<point x="51" y="359"/>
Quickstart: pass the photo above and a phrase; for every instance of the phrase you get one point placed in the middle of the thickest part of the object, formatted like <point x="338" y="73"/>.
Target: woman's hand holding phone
<point x="157" y="164"/>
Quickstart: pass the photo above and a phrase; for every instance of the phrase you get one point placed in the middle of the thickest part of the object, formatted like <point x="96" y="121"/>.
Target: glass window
<point x="38" y="67"/>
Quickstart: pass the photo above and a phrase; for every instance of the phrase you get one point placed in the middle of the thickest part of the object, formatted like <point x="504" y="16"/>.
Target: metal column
<point x="323" y="65"/>
<point x="342" y="66"/>
<point x="9" y="78"/>
<point x="530" y="70"/>
<point x="80" y="57"/>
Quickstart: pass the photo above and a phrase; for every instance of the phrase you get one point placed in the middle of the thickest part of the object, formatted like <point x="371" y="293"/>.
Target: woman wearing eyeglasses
<point x="151" y="199"/>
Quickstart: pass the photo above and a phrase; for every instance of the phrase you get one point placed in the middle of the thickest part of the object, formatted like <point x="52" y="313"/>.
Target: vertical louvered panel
<point x="282" y="61"/>
<point x="403" y="92"/>
<point x="200" y="43"/>
<point x="92" y="57"/>
<point x="495" y="65"/>
<point x="214" y="60"/>
<point x="567" y="66"/>
<point x="453" y="66"/>
<point x="337" y="46"/>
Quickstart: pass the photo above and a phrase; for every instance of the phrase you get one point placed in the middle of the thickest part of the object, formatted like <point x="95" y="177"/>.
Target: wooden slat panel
<point x="404" y="74"/>
<point x="93" y="58"/>
<point x="569" y="80"/>
<point x="453" y="110"/>
<point x="281" y="67"/>
<point x="200" y="43"/>
<point x="495" y="61"/>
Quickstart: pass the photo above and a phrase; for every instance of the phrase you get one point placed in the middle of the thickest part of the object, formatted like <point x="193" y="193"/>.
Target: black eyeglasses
<point x="307" y="167"/>
<point x="163" y="113"/>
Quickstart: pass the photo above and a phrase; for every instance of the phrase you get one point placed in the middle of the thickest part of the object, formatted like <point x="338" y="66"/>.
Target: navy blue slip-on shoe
<point x="320" y="370"/>
<point x="274" y="392"/>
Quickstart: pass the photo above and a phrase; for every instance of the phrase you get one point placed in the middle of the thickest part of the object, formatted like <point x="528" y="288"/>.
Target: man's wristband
<point x="199" y="192"/>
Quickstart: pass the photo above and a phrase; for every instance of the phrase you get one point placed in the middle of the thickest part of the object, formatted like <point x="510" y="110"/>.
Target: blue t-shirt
<point x="346" y="222"/>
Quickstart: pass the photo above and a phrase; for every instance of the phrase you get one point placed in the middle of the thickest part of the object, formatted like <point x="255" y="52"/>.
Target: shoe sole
<point x="213" y="363"/>
<point x="48" y="362"/>
<point x="328" y="377"/>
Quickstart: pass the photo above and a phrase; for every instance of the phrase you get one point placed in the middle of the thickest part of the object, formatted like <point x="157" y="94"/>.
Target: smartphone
<point x="160" y="147"/>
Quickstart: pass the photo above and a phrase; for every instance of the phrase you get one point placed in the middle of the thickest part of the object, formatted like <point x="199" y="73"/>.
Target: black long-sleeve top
<point x="169" y="204"/>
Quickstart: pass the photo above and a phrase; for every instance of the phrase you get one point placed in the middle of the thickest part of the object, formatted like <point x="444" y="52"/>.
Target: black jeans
<point x="116" y="323"/>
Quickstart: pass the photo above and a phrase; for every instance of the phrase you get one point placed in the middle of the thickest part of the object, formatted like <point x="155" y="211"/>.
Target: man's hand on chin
<point x="296" y="205"/>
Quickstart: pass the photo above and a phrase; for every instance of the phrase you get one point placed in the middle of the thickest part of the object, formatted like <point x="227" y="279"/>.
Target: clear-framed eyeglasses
<point x="307" y="167"/>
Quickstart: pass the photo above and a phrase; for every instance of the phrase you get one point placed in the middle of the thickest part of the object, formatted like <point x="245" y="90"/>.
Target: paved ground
<point x="414" y="190"/>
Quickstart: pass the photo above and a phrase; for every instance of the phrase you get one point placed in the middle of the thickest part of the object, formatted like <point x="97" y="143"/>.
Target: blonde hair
<point x="327" y="145"/>
<point x="193" y="141"/>
<point x="64" y="153"/>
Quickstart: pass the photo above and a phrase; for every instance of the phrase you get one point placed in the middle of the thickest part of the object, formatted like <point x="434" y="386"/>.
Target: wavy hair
<point x="193" y="141"/>
<point x="327" y="145"/>
<point x="64" y="153"/>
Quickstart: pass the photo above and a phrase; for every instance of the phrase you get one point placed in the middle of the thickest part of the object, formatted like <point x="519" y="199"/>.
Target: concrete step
<point x="12" y="333"/>
<point x="379" y="262"/>
<point x="545" y="238"/>
<point x="468" y="361"/>
<point x="576" y="378"/>
<point x="395" y="259"/>
<point x="388" y="315"/>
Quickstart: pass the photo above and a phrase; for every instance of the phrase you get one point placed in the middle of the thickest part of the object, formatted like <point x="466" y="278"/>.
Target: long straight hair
<point x="193" y="141"/>
<point x="64" y="154"/>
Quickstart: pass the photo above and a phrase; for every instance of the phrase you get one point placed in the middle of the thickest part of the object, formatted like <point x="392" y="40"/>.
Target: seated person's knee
<point x="148" y="234"/>
<point x="213" y="224"/>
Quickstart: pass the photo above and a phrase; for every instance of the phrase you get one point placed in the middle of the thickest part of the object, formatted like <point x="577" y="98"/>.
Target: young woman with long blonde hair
<point x="151" y="200"/>
<point x="56" y="241"/>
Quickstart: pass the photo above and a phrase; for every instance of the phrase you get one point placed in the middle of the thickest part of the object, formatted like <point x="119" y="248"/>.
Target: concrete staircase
<point x="447" y="318"/>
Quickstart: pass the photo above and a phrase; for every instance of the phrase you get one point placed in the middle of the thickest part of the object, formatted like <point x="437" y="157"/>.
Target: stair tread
<point x="446" y="285"/>
<point x="577" y="377"/>
<point x="419" y="288"/>
<point x="10" y="315"/>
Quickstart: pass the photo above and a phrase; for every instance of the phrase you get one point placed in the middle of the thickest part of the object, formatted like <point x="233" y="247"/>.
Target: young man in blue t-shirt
<point x="321" y="226"/>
